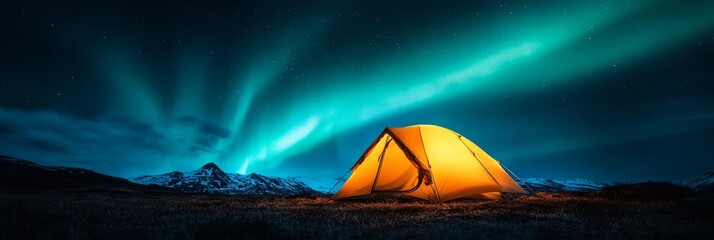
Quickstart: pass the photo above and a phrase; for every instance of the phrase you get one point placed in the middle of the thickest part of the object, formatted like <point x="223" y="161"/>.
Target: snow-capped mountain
<point x="707" y="180"/>
<point x="323" y="185"/>
<point x="548" y="185"/>
<point x="211" y="179"/>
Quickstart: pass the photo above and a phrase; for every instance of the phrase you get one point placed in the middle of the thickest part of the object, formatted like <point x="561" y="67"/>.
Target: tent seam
<point x="381" y="159"/>
<point x="431" y="173"/>
<point x="479" y="161"/>
<point x="407" y="153"/>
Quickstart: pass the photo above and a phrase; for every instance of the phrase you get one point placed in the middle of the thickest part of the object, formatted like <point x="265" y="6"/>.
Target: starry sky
<point x="614" y="91"/>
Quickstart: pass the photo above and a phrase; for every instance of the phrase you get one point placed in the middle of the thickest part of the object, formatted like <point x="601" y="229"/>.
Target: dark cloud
<point x="209" y="133"/>
<point x="6" y="129"/>
<point x="47" y="146"/>
<point x="110" y="144"/>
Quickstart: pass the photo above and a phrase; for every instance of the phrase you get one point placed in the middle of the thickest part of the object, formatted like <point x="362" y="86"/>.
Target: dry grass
<point x="112" y="215"/>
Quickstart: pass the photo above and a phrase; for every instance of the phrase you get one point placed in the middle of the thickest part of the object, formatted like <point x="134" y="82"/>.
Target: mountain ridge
<point x="19" y="173"/>
<point x="212" y="179"/>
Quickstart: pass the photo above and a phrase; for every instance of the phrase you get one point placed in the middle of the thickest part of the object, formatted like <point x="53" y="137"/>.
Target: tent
<point x="427" y="162"/>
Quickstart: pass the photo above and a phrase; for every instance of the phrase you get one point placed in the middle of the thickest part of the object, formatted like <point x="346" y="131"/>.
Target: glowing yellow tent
<point x="427" y="162"/>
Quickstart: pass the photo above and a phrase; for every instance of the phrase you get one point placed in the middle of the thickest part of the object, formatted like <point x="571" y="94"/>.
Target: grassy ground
<point x="117" y="215"/>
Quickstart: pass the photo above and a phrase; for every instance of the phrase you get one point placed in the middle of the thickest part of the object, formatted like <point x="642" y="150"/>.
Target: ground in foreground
<point x="118" y="215"/>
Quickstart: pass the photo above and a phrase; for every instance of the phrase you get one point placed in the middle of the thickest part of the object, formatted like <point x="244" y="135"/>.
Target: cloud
<point x="110" y="144"/>
<point x="48" y="146"/>
<point x="209" y="133"/>
<point x="106" y="144"/>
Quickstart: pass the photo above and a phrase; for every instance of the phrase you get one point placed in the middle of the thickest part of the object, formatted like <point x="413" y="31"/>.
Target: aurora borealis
<point x="606" y="90"/>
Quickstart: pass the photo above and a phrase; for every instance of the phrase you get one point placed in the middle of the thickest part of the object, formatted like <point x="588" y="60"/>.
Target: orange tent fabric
<point x="427" y="162"/>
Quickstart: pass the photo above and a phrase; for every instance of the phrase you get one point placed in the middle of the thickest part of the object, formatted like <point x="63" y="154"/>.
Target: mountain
<point x="548" y="185"/>
<point x="323" y="185"/>
<point x="17" y="173"/>
<point x="703" y="182"/>
<point x="211" y="179"/>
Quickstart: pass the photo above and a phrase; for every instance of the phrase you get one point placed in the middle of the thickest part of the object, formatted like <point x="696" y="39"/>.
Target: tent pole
<point x="338" y="181"/>
<point x="431" y="173"/>
<point x="379" y="168"/>
<point x="483" y="166"/>
<point x="519" y="179"/>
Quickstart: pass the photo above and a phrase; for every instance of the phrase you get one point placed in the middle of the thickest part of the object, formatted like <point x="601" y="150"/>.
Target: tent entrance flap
<point x="397" y="173"/>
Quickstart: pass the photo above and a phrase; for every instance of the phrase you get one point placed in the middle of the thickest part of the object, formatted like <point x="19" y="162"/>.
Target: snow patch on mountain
<point x="211" y="179"/>
<point x="702" y="182"/>
<point x="322" y="184"/>
<point x="540" y="184"/>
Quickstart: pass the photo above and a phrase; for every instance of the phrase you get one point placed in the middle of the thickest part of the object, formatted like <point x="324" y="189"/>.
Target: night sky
<point x="614" y="91"/>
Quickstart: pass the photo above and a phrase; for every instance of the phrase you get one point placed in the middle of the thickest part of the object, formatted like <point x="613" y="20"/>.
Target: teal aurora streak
<point x="541" y="47"/>
<point x="272" y="118"/>
<point x="534" y="39"/>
